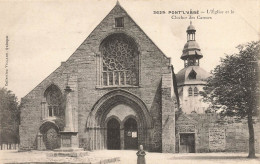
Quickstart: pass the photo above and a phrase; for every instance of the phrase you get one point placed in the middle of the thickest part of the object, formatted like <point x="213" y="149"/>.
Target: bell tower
<point x="192" y="78"/>
<point x="191" y="53"/>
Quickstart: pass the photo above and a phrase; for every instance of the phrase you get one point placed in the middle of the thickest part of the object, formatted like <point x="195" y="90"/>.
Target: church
<point x="118" y="90"/>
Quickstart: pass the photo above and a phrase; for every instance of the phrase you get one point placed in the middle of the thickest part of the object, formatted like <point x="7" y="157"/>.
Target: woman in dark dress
<point x="141" y="155"/>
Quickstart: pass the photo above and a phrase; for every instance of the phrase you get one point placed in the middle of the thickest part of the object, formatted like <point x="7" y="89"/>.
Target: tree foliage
<point x="9" y="117"/>
<point x="233" y="87"/>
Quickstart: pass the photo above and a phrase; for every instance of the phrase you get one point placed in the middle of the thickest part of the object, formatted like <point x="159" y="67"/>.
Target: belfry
<point x="192" y="78"/>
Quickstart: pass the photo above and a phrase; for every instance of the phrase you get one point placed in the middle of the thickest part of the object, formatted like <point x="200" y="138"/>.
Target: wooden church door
<point x="113" y="134"/>
<point x="131" y="134"/>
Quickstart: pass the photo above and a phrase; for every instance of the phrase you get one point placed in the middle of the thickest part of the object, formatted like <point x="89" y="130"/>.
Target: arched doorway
<point x="100" y="115"/>
<point x="51" y="136"/>
<point x="113" y="134"/>
<point x="130" y="134"/>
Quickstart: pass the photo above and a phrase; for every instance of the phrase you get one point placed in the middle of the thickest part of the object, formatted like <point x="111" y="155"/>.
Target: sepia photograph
<point x="130" y="81"/>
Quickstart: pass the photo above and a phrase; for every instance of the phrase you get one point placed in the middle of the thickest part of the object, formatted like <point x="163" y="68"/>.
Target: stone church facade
<point x="121" y="92"/>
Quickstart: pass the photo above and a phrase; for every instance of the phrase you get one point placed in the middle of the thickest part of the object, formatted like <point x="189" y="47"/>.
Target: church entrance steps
<point x="67" y="153"/>
<point x="68" y="149"/>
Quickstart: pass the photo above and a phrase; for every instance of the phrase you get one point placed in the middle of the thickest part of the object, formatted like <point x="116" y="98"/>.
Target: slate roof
<point x="183" y="76"/>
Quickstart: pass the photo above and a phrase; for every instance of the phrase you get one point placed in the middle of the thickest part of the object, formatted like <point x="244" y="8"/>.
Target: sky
<point x="42" y="33"/>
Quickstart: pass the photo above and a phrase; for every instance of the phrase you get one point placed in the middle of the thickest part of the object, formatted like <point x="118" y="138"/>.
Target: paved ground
<point x="11" y="156"/>
<point x="129" y="157"/>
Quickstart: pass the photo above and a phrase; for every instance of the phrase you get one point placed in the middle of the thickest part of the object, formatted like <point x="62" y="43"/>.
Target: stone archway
<point x="104" y="105"/>
<point x="50" y="135"/>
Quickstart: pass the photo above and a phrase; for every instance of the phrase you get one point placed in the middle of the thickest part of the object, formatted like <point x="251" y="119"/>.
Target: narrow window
<point x="190" y="91"/>
<point x="119" y="22"/>
<point x="50" y="111"/>
<point x="196" y="91"/>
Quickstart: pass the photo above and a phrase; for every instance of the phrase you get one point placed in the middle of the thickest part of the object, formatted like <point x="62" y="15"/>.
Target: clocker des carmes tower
<point x="114" y="92"/>
<point x="192" y="78"/>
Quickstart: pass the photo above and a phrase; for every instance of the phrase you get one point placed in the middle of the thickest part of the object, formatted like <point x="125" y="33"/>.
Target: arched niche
<point x="50" y="135"/>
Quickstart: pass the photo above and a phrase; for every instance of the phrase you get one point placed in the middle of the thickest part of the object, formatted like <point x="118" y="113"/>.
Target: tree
<point x="9" y="117"/>
<point x="233" y="88"/>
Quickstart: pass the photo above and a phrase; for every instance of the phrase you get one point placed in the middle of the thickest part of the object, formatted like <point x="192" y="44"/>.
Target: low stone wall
<point x="216" y="134"/>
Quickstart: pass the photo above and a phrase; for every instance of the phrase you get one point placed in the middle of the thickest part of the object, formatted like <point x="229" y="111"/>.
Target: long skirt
<point x="141" y="159"/>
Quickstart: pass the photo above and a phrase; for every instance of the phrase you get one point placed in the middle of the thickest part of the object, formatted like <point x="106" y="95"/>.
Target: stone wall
<point x="215" y="134"/>
<point x="168" y="114"/>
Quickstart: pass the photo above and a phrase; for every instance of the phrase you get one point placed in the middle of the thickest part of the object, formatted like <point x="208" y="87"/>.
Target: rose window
<point x="120" y="61"/>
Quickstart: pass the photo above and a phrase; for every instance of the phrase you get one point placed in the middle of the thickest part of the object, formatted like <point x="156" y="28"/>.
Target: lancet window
<point x="196" y="91"/>
<point x="53" y="98"/>
<point x="190" y="91"/>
